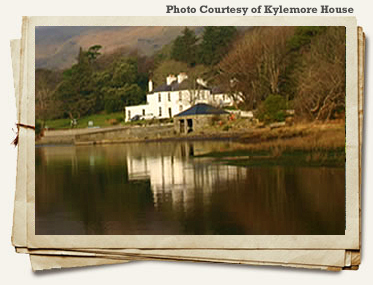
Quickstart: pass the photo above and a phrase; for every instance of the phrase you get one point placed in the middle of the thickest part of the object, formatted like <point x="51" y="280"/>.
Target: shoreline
<point x="246" y="136"/>
<point x="300" y="144"/>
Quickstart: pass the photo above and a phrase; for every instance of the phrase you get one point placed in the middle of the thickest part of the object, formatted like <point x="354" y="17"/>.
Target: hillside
<point x="57" y="47"/>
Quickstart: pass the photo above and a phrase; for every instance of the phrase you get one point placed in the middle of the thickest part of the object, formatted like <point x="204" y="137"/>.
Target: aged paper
<point x="350" y="240"/>
<point x="187" y="254"/>
<point x="40" y="262"/>
<point x="309" y="257"/>
<point x="20" y="226"/>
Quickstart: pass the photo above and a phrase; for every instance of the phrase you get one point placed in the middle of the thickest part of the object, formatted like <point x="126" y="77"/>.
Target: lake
<point x="160" y="188"/>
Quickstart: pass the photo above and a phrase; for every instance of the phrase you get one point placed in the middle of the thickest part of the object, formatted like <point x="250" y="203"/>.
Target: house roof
<point x="175" y="86"/>
<point x="201" y="109"/>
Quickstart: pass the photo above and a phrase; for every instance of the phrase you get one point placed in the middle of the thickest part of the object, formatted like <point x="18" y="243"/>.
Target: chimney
<point x="150" y="86"/>
<point x="171" y="78"/>
<point x="181" y="77"/>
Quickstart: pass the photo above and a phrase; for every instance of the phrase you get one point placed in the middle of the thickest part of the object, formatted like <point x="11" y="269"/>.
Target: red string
<point x="15" y="141"/>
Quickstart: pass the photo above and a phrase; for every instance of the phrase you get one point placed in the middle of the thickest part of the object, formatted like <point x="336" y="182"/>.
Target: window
<point x="170" y="112"/>
<point x="129" y="115"/>
<point x="180" y="96"/>
<point x="160" y="111"/>
<point x="159" y="97"/>
<point x="143" y="112"/>
<point x="169" y="96"/>
<point x="180" y="108"/>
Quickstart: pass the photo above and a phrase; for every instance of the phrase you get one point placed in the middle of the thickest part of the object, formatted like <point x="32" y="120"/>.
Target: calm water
<point x="159" y="188"/>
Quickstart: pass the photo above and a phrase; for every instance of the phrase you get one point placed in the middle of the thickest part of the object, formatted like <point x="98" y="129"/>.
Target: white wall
<point x="135" y="110"/>
<point x="171" y="99"/>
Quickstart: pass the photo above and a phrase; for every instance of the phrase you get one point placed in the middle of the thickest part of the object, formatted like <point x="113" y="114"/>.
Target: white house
<point x="176" y="95"/>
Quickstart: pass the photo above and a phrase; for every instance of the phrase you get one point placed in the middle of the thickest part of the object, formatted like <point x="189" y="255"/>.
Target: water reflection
<point x="159" y="188"/>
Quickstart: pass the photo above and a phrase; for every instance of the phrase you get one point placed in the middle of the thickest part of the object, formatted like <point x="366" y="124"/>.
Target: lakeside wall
<point x="60" y="136"/>
<point x="126" y="134"/>
<point x="106" y="135"/>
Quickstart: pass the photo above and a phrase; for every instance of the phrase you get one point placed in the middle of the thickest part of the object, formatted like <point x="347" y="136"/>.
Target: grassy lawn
<point x="99" y="120"/>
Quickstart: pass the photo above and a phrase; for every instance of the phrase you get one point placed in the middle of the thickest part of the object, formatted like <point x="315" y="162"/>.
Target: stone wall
<point x="66" y="136"/>
<point x="126" y="134"/>
<point x="110" y="134"/>
<point x="200" y="122"/>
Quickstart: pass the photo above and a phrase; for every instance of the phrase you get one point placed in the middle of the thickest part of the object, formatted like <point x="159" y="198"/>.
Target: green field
<point x="99" y="120"/>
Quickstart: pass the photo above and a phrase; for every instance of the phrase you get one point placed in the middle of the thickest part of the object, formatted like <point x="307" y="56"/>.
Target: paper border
<point x="348" y="241"/>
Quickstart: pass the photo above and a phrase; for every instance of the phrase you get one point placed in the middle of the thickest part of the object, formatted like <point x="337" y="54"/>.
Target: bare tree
<point x="195" y="88"/>
<point x="251" y="71"/>
<point x="322" y="76"/>
<point x="46" y="106"/>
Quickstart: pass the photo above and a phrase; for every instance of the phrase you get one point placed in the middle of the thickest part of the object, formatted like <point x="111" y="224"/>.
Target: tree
<point x="117" y="98"/>
<point x="184" y="47"/>
<point x="297" y="46"/>
<point x="124" y="71"/>
<point x="46" y="107"/>
<point x="215" y="44"/>
<point x="273" y="108"/>
<point x="166" y="68"/>
<point x="252" y="69"/>
<point x="321" y="76"/>
<point x="77" y="90"/>
<point x="93" y="53"/>
<point x="118" y="85"/>
<point x="194" y="88"/>
<point x="303" y="37"/>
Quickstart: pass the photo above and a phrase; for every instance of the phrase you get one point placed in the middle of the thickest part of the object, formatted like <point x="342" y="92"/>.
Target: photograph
<point x="190" y="130"/>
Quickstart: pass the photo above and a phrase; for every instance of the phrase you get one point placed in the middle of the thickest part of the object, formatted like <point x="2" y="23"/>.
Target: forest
<point x="265" y="69"/>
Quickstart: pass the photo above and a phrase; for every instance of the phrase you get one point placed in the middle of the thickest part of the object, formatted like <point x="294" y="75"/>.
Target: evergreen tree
<point x="184" y="47"/>
<point x="215" y="44"/>
<point x="77" y="90"/>
<point x="119" y="85"/>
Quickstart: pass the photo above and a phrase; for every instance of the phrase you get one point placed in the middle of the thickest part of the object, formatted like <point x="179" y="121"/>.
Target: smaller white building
<point x="175" y="96"/>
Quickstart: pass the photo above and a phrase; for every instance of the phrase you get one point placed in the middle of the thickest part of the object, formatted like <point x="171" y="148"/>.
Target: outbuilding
<point x="197" y="117"/>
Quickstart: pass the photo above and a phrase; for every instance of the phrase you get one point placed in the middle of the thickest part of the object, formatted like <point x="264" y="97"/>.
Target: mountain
<point x="57" y="47"/>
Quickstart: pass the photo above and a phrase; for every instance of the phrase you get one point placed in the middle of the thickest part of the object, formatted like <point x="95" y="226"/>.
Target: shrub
<point x="273" y="109"/>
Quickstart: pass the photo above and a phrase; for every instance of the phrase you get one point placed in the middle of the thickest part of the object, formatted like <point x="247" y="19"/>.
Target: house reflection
<point x="163" y="188"/>
<point x="175" y="177"/>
